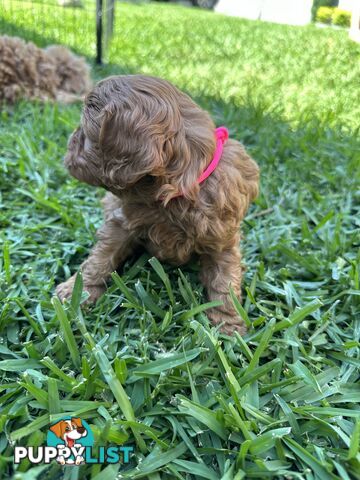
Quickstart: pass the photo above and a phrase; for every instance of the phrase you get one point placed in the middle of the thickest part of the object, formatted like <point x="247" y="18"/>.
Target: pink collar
<point x="221" y="135"/>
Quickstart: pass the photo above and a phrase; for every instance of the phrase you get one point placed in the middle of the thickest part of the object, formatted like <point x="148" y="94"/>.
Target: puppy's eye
<point x="67" y="429"/>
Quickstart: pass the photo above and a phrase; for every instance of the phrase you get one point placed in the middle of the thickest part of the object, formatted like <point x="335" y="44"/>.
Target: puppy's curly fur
<point x="145" y="141"/>
<point x="27" y="71"/>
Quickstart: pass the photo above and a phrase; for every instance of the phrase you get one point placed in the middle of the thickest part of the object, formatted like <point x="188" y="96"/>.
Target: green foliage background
<point x="322" y="3"/>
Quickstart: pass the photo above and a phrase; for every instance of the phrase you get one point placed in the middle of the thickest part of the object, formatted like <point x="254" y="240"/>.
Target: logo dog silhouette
<point x="69" y="431"/>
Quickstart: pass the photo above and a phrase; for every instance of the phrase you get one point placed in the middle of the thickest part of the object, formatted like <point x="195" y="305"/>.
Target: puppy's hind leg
<point x="219" y="270"/>
<point x="115" y="244"/>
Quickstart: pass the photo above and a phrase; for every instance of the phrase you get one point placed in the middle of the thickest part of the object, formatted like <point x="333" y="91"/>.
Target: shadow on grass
<point x="307" y="168"/>
<point x="40" y="39"/>
<point x="43" y="40"/>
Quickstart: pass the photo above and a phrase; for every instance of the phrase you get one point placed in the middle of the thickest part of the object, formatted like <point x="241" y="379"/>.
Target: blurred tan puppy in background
<point x="54" y="73"/>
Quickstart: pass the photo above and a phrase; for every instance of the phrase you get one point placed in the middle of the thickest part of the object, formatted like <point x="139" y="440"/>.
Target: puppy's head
<point x="73" y="73"/>
<point x="69" y="429"/>
<point x="138" y="128"/>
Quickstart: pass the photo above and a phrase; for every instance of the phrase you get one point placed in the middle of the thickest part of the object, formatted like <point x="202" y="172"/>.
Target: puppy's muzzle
<point x="78" y="163"/>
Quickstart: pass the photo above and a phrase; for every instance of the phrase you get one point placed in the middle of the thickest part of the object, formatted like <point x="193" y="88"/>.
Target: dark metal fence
<point x="84" y="25"/>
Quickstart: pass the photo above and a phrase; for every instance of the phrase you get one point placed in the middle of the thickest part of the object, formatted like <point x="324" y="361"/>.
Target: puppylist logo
<point x="70" y="441"/>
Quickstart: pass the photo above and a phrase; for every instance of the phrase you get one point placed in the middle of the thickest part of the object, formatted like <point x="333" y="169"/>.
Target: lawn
<point x="282" y="402"/>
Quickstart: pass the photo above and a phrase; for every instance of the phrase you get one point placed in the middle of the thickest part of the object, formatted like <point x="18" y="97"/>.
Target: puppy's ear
<point x="110" y="128"/>
<point x="58" y="429"/>
<point x="181" y="172"/>
<point x="132" y="142"/>
<point x="187" y="153"/>
<point x="77" y="421"/>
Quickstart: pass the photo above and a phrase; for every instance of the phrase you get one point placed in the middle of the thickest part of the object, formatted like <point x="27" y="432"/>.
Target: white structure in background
<point x="291" y="12"/>
<point x="240" y="8"/>
<point x="355" y="22"/>
<point x="346" y="4"/>
<point x="353" y="6"/>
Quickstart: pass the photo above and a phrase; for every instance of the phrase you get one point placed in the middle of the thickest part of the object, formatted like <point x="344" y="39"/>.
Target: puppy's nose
<point x="80" y="429"/>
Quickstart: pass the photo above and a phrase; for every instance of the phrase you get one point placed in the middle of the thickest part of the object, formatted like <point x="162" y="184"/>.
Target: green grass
<point x="283" y="402"/>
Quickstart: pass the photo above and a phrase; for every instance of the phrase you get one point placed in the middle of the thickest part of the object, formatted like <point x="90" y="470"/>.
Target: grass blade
<point x="167" y="362"/>
<point x="159" y="269"/>
<point x="67" y="332"/>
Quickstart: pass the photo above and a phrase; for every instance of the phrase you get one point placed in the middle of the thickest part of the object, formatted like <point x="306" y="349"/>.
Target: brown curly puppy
<point x="54" y="73"/>
<point x="147" y="143"/>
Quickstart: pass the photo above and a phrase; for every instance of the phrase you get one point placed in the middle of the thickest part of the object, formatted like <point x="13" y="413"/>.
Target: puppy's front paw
<point x="230" y="323"/>
<point x="64" y="290"/>
<point x="95" y="292"/>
